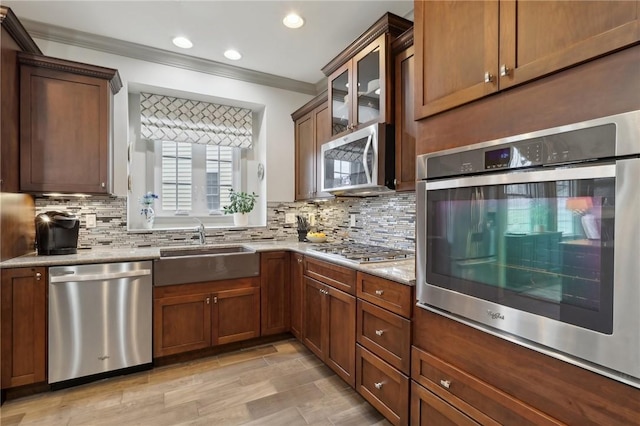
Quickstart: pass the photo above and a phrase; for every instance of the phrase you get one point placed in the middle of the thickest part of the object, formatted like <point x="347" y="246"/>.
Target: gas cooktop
<point x="362" y="253"/>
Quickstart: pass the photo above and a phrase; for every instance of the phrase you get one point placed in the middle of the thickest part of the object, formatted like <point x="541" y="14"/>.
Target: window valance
<point x="183" y="120"/>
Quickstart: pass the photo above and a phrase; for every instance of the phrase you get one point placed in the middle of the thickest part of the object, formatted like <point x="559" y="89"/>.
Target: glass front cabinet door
<point x="359" y="89"/>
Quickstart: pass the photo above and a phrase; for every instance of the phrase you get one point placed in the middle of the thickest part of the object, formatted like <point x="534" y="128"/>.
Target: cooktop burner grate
<point x="363" y="253"/>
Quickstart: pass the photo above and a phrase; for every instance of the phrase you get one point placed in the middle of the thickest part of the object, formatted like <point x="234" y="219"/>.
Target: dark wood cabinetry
<point x="311" y="130"/>
<point x="23" y="311"/>
<point x="493" y="381"/>
<point x="189" y="317"/>
<point x="275" y="292"/>
<point x="297" y="282"/>
<point x="329" y="316"/>
<point x="360" y="83"/>
<point x="65" y="125"/>
<point x="383" y="352"/>
<point x="405" y="125"/>
<point x="467" y="50"/>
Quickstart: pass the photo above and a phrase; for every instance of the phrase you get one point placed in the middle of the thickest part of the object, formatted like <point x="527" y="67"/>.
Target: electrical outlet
<point x="290" y="218"/>
<point x="90" y="220"/>
<point x="312" y="219"/>
<point x="352" y="220"/>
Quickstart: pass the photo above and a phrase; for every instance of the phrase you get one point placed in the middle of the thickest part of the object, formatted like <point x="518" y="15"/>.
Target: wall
<point x="278" y="105"/>
<point x="386" y="220"/>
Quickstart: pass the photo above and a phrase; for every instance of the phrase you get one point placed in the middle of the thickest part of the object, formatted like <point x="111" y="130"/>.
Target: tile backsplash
<point x="387" y="220"/>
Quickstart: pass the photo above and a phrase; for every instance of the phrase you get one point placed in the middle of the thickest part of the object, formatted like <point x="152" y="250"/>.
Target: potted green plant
<point x="241" y="205"/>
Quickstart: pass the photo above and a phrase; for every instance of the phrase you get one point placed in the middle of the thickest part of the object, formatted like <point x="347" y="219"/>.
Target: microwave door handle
<point x="364" y="159"/>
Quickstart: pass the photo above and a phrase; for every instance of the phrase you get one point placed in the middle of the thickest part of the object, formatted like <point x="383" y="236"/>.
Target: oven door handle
<point x="367" y="147"/>
<point x="574" y="173"/>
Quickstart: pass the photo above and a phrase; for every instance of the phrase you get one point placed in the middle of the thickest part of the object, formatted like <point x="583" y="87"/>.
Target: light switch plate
<point x="290" y="218"/>
<point x="312" y="219"/>
<point x="90" y="220"/>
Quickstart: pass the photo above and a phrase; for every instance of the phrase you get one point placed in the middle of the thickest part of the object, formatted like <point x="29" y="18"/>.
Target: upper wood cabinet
<point x="312" y="126"/>
<point x="24" y="326"/>
<point x="406" y="127"/>
<point x="14" y="39"/>
<point x="65" y="125"/>
<point x="360" y="83"/>
<point x="466" y="50"/>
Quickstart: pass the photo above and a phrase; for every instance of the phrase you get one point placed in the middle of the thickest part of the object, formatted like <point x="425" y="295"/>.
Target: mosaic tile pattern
<point x="387" y="220"/>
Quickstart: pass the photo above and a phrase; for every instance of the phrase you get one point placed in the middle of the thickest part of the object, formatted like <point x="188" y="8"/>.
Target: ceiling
<point x="254" y="28"/>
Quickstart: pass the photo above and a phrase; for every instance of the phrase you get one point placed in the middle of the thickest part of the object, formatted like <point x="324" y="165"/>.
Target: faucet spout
<point x="202" y="237"/>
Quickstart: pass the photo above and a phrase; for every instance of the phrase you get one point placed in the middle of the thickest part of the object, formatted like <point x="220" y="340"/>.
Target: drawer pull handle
<point x="445" y="383"/>
<point x="378" y="385"/>
<point x="379" y="332"/>
<point x="379" y="292"/>
<point x="299" y="260"/>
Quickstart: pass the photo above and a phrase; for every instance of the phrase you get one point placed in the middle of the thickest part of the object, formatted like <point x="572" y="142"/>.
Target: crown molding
<point x="164" y="57"/>
<point x="17" y="31"/>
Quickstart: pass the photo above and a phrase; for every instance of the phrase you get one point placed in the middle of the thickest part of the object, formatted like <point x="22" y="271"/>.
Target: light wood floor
<point x="278" y="384"/>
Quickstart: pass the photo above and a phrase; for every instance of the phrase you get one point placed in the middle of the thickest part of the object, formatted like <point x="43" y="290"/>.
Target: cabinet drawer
<point x="337" y="276"/>
<point x="390" y="295"/>
<point x="471" y="395"/>
<point x="383" y="386"/>
<point x="429" y="409"/>
<point x="385" y="334"/>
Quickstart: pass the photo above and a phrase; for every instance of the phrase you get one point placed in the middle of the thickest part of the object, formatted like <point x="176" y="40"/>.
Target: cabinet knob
<point x="38" y="276"/>
<point x="488" y="77"/>
<point x="504" y="71"/>
<point x="379" y="292"/>
<point x="299" y="260"/>
<point x="215" y="299"/>
<point x="379" y="332"/>
<point x="208" y="300"/>
<point x="445" y="383"/>
<point x="378" y="385"/>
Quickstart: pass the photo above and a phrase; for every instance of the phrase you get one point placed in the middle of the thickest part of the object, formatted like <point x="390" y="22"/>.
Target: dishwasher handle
<point x="69" y="276"/>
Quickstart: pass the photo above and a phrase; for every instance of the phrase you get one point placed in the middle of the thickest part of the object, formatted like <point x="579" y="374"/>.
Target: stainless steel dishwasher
<point x="100" y="320"/>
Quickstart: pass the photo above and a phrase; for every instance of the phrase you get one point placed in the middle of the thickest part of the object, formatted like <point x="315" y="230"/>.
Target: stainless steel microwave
<point x="535" y="239"/>
<point x="361" y="163"/>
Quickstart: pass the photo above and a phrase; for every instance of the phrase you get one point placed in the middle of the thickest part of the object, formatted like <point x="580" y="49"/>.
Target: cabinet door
<point x="428" y="409"/>
<point x="297" y="281"/>
<point x="236" y="315"/>
<point x="340" y="103"/>
<point x="314" y="313"/>
<point x="305" y="157"/>
<point x="64" y="133"/>
<point x="23" y="313"/>
<point x="323" y="134"/>
<point x="275" y="292"/>
<point x="456" y="46"/>
<point x="181" y="324"/>
<point x="340" y="353"/>
<point x="9" y="112"/>
<point x="406" y="127"/>
<point x="369" y="93"/>
<point x="537" y="38"/>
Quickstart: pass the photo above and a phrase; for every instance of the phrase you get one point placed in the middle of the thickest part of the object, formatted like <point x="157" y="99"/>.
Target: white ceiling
<point x="252" y="27"/>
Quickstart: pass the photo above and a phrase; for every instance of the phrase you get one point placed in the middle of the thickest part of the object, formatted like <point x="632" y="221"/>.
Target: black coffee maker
<point x="57" y="233"/>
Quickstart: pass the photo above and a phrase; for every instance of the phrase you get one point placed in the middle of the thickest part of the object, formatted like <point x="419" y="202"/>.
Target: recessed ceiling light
<point x="183" y="42"/>
<point x="293" y="20"/>
<point x="232" y="54"/>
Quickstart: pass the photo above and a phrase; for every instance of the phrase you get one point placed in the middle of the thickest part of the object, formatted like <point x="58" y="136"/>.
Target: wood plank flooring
<point x="276" y="384"/>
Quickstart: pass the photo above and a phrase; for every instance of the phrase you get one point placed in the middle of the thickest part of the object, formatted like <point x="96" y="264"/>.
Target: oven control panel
<point x="557" y="148"/>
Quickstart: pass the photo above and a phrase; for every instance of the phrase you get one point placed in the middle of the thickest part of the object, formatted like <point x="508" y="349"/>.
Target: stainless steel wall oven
<point x="536" y="239"/>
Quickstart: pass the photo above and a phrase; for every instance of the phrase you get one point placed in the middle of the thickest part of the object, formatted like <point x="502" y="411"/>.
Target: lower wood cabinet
<point x="189" y="317"/>
<point x="428" y="410"/>
<point x="329" y="327"/>
<point x="385" y="387"/>
<point x="297" y="281"/>
<point x="275" y="292"/>
<point x="23" y="310"/>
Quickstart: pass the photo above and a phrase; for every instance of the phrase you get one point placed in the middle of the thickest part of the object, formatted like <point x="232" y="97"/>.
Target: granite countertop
<point x="402" y="271"/>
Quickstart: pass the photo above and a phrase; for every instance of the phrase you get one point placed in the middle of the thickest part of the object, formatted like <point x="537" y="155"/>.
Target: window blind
<point x="182" y="120"/>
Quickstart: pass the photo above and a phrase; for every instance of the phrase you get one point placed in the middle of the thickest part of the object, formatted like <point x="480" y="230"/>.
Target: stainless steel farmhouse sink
<point x="200" y="264"/>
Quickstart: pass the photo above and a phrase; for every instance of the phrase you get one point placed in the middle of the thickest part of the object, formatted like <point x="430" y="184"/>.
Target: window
<point x="194" y="179"/>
